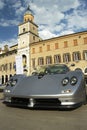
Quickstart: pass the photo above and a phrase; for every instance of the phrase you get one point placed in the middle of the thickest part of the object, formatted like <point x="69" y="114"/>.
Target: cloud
<point x="67" y="5"/>
<point x="77" y="20"/>
<point x="16" y="4"/>
<point x="6" y="23"/>
<point x="54" y="18"/>
<point x="9" y="42"/>
<point x="2" y="4"/>
<point x="46" y="34"/>
<point x="19" y="9"/>
<point x="66" y="32"/>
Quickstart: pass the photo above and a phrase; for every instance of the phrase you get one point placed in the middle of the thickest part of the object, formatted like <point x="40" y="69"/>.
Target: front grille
<point x="38" y="102"/>
<point x="19" y="101"/>
<point x="47" y="102"/>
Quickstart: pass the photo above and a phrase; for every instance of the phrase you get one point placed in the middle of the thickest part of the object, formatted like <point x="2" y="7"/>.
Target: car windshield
<point x="56" y="69"/>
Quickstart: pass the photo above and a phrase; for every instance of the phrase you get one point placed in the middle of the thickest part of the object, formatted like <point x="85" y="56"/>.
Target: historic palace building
<point x="66" y="49"/>
<point x="36" y="52"/>
<point x="7" y="62"/>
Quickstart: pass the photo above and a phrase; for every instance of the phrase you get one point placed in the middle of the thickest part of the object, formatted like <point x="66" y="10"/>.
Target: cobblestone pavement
<point x="12" y="118"/>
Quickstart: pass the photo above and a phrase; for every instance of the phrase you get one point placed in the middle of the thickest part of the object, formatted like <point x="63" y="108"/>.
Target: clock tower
<point x="27" y="33"/>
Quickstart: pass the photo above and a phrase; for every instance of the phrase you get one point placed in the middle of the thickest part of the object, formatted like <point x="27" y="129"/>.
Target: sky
<point x="53" y="17"/>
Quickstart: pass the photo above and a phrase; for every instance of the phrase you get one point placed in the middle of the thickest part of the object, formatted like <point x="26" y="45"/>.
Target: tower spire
<point x="29" y="10"/>
<point x="28" y="16"/>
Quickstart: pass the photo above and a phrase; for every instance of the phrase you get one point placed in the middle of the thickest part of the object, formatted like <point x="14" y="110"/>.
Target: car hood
<point x="47" y="85"/>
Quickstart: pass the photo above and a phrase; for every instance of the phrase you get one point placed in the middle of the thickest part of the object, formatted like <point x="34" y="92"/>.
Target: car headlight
<point x="73" y="80"/>
<point x="13" y="83"/>
<point x="7" y="91"/>
<point x="65" y="81"/>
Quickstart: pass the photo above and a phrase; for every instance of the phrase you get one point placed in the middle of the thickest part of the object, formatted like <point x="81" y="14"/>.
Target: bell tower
<point x="27" y="33"/>
<point x="28" y="15"/>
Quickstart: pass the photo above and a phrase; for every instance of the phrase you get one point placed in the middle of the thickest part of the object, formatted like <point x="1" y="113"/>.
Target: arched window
<point x="2" y="79"/>
<point x="24" y="58"/>
<point x="66" y="57"/>
<point x="6" y="78"/>
<point x="10" y="76"/>
<point x="85" y="70"/>
<point x="40" y="61"/>
<point x="48" y="60"/>
<point x="57" y="59"/>
<point x="85" y="55"/>
<point x="76" y="56"/>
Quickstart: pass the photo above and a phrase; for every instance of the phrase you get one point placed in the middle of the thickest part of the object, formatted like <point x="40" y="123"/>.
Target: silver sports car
<point x="55" y="87"/>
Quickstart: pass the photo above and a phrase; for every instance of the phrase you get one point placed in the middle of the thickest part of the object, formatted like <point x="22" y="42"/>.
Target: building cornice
<point x="59" y="37"/>
<point x="13" y="45"/>
<point x="28" y="32"/>
<point x="28" y="22"/>
<point x="8" y="53"/>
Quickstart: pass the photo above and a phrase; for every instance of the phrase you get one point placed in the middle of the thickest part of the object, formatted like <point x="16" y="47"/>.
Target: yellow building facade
<point x="66" y="49"/>
<point x="7" y="63"/>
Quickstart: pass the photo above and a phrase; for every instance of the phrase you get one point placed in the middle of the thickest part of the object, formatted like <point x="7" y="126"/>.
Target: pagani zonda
<point x="55" y="87"/>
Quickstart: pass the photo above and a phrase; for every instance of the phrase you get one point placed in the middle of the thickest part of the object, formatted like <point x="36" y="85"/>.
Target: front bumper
<point x="41" y="102"/>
